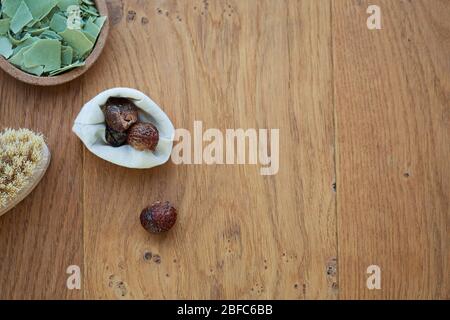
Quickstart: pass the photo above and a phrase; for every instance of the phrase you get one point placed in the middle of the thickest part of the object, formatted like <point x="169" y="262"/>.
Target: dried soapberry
<point x="120" y="113"/>
<point x="115" y="138"/>
<point x="159" y="217"/>
<point x="143" y="136"/>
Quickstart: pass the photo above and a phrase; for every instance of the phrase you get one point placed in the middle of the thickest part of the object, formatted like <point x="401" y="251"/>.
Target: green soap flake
<point x="89" y="36"/>
<point x="37" y="32"/>
<point x="17" y="58"/>
<point x="40" y="8"/>
<point x="49" y="17"/>
<point x="100" y="21"/>
<point x="49" y="34"/>
<point x="37" y="71"/>
<point x="78" y="41"/>
<point x="65" y="4"/>
<point x="4" y="26"/>
<point x="91" y="19"/>
<point x="9" y="7"/>
<point x="18" y="61"/>
<point x="21" y="18"/>
<point x="90" y="10"/>
<point x="41" y="24"/>
<point x="58" y="23"/>
<point x="89" y="2"/>
<point x="66" y="56"/>
<point x="16" y="41"/>
<point x="67" y="68"/>
<point x="44" y="52"/>
<point x="28" y="42"/>
<point x="92" y="29"/>
<point x="5" y="47"/>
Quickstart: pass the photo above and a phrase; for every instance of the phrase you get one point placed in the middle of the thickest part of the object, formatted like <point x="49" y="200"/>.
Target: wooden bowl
<point x="69" y="75"/>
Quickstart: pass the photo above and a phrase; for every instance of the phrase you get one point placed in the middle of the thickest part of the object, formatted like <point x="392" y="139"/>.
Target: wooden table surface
<point x="367" y="110"/>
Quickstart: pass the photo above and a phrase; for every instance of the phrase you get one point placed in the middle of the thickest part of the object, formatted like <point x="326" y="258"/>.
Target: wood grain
<point x="42" y="236"/>
<point x="235" y="64"/>
<point x="367" y="109"/>
<point x="392" y="90"/>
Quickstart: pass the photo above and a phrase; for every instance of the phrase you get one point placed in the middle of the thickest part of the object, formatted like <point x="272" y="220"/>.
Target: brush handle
<point x="33" y="181"/>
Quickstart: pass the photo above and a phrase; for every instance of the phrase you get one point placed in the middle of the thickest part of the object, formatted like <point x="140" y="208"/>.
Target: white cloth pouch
<point x="90" y="127"/>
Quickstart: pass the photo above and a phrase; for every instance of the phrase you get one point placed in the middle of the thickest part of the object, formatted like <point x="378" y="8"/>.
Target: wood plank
<point x="42" y="236"/>
<point x="391" y="90"/>
<point x="230" y="64"/>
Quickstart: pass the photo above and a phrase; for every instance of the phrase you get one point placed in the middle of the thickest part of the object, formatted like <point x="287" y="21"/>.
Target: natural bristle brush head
<point x="24" y="159"/>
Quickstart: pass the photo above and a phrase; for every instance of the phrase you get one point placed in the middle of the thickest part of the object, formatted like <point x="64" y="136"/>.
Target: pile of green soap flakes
<point x="48" y="37"/>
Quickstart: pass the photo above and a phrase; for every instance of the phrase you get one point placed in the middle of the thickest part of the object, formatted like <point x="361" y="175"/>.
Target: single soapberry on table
<point x="159" y="217"/>
<point x="120" y="113"/>
<point x="115" y="138"/>
<point x="143" y="136"/>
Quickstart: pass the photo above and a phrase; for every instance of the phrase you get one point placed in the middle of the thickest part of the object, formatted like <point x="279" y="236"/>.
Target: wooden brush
<point x="24" y="159"/>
